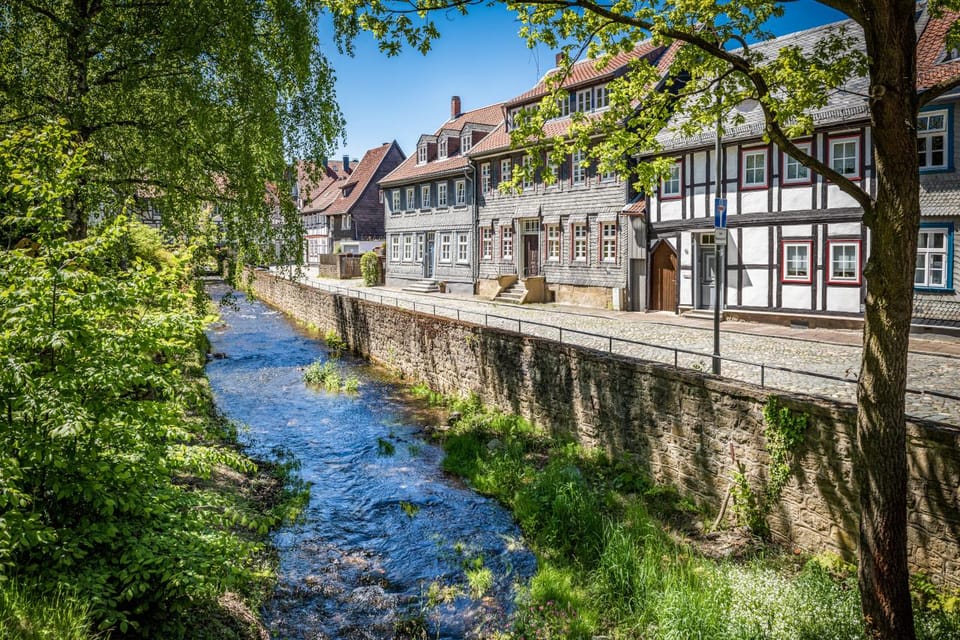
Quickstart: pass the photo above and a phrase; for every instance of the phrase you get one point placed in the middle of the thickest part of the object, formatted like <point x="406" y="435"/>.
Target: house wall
<point x="679" y="425"/>
<point x="367" y="211"/>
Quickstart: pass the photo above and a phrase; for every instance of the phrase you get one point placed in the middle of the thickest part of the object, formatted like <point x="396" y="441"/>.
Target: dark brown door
<point x="663" y="289"/>
<point x="531" y="256"/>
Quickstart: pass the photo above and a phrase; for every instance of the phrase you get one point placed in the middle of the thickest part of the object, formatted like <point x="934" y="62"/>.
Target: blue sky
<point x="479" y="57"/>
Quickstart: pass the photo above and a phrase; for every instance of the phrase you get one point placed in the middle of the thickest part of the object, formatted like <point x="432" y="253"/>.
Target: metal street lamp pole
<point x="718" y="283"/>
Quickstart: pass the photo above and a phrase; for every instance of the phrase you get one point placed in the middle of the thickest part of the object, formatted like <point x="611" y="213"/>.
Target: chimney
<point x="561" y="58"/>
<point x="346" y="163"/>
<point x="454" y="107"/>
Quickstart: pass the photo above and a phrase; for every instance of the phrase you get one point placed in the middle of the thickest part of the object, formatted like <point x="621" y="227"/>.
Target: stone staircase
<point x="428" y="285"/>
<point x="514" y="294"/>
<point x="703" y="314"/>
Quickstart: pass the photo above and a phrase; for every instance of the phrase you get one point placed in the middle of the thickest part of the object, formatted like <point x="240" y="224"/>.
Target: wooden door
<point x="663" y="285"/>
<point x="531" y="256"/>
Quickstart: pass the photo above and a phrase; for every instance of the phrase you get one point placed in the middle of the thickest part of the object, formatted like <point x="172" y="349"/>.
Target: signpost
<point x="719" y="246"/>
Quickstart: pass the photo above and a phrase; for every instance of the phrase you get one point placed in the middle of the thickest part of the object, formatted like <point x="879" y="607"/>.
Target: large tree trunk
<point x="881" y="425"/>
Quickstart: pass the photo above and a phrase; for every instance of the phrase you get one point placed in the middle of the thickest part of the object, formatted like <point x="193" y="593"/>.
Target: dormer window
<point x="563" y="103"/>
<point x="466" y="142"/>
<point x="512" y="118"/>
<point x="422" y="154"/>
<point x="585" y="100"/>
<point x="602" y="100"/>
<point x="949" y="55"/>
<point x="442" y="149"/>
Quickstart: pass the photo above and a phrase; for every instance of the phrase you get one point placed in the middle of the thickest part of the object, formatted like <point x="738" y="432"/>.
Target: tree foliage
<point x="102" y="417"/>
<point x="192" y="107"/>
<point x="716" y="67"/>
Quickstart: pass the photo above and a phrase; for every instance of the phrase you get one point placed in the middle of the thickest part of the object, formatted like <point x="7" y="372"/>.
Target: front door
<point x="428" y="257"/>
<point x="708" y="277"/>
<point x="663" y="287"/>
<point x="531" y="256"/>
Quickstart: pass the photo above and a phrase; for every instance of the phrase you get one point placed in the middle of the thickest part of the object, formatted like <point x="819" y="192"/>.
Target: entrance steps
<point x="514" y="294"/>
<point x="704" y="314"/>
<point x="428" y="285"/>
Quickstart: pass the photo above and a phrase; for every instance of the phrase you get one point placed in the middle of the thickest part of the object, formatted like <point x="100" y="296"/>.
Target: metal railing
<point x="675" y="356"/>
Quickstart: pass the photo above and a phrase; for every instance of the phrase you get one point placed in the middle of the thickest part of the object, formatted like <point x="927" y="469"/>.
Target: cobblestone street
<point x="934" y="363"/>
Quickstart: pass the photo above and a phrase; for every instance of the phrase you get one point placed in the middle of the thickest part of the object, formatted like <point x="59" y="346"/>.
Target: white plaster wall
<point x="754" y="201"/>
<point x="700" y="166"/>
<point x="685" y="259"/>
<point x="755" y="287"/>
<point x="797" y="231"/>
<point x="843" y="299"/>
<point x="838" y="199"/>
<point x="845" y="229"/>
<point x="671" y="209"/>
<point x="796" y="296"/>
<point x="796" y="198"/>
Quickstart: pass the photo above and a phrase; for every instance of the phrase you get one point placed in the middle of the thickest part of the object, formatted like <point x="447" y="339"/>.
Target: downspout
<point x="474" y="226"/>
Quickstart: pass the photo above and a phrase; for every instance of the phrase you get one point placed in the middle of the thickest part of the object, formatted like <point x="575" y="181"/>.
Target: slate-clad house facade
<point x="341" y="207"/>
<point x="797" y="245"/>
<point x="570" y="242"/>
<point x="429" y="206"/>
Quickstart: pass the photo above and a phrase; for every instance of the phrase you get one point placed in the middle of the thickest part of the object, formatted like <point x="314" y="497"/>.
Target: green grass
<point x="329" y="376"/>
<point x="611" y="561"/>
<point x="27" y="615"/>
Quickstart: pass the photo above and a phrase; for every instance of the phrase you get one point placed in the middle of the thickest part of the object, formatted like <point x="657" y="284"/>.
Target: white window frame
<point x="790" y="163"/>
<point x="927" y="135"/>
<point x="563" y="103"/>
<point x="553" y="242"/>
<point x="425" y="196"/>
<point x="506" y="242"/>
<point x="926" y="256"/>
<point x="486" y="243"/>
<point x="460" y="193"/>
<point x="843" y="142"/>
<point x="420" y="243"/>
<point x="422" y="153"/>
<point x="407" y="247"/>
<point x="601" y="97"/>
<point x="753" y="167"/>
<point x="485" y="182"/>
<point x="835" y="277"/>
<point x="788" y="274"/>
<point x="506" y="170"/>
<point x="442" y="148"/>
<point x="395" y="201"/>
<point x="442" y="194"/>
<point x="466" y="142"/>
<point x="528" y="181"/>
<point x="395" y="248"/>
<point x="578" y="242"/>
<point x="411" y="198"/>
<point x="463" y="248"/>
<point x="445" y="247"/>
<point x="672" y="185"/>
<point x="346" y="221"/>
<point x="608" y="242"/>
<point x="585" y="100"/>
<point x="578" y="167"/>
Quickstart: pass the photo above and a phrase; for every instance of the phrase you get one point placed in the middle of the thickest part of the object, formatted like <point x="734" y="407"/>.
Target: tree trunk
<point x="894" y="224"/>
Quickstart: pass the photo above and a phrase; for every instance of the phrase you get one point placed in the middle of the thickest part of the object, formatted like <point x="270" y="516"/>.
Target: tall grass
<point x="26" y="614"/>
<point x="608" y="566"/>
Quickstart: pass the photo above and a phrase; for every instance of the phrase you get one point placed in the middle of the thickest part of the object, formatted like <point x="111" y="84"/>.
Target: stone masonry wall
<point x="678" y="424"/>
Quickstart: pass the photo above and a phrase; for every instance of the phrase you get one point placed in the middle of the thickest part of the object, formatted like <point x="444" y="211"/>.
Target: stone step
<point x="422" y="286"/>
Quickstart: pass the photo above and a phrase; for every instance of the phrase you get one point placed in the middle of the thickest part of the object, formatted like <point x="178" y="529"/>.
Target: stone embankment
<point x="681" y="425"/>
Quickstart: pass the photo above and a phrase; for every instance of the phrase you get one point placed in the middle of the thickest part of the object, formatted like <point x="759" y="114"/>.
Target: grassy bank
<point x="622" y="557"/>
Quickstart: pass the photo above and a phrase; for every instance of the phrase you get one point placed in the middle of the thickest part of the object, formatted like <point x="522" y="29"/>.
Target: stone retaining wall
<point x="678" y="424"/>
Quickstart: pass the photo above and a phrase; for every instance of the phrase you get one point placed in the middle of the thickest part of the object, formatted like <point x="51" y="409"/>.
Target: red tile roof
<point x="585" y="72"/>
<point x="636" y="208"/>
<point x="930" y="49"/>
<point x="491" y="115"/>
<point x="315" y="190"/>
<point x="360" y="177"/>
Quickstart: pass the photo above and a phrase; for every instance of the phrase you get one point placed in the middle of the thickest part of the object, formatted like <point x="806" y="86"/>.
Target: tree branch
<point x="937" y="90"/>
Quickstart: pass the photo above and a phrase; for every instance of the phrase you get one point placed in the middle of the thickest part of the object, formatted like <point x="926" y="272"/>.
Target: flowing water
<point x="387" y="537"/>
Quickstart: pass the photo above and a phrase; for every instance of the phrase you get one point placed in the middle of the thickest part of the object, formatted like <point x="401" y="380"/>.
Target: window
<point x="844" y="262"/>
<point x="506" y="170"/>
<point x="462" y="248"/>
<point x="793" y="171"/>
<point x="407" y="248"/>
<point x="578" y="174"/>
<point x="466" y="142"/>
<point x="585" y="100"/>
<point x="419" y="247"/>
<point x="796" y="261"/>
<point x="486" y="243"/>
<point x="579" y="234"/>
<point x="527" y="178"/>
<point x="932" y="139"/>
<point x="424" y="196"/>
<point x="754" y="169"/>
<point x="346" y="222"/>
<point x="563" y="102"/>
<point x="602" y="97"/>
<point x="553" y="169"/>
<point x="485" y="177"/>
<point x="444" y="247"/>
<point x="396" y="201"/>
<point x="395" y="248"/>
<point x="411" y="199"/>
<point x="608" y="176"/>
<point x="608" y="242"/>
<point x="441" y="194"/>
<point x="553" y="243"/>
<point x="460" y="192"/>
<point x="422" y="154"/>
<point x="512" y="117"/>
<point x="506" y="243"/>
<point x="933" y="258"/>
<point x="845" y="157"/>
<point x="671" y="185"/>
<point x="442" y="148"/>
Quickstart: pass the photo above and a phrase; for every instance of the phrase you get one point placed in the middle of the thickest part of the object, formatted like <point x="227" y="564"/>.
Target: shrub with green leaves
<point x="370" y="268"/>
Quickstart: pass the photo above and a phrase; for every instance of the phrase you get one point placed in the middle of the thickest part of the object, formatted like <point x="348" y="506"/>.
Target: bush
<point x="370" y="269"/>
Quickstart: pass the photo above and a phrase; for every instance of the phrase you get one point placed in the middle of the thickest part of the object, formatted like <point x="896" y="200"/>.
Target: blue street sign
<point x="720" y="213"/>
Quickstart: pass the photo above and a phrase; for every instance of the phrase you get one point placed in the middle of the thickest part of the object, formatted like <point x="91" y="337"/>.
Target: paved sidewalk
<point x="934" y="363"/>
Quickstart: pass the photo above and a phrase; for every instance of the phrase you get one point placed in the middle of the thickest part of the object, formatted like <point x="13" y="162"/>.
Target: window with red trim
<point x="845" y="156"/>
<point x="671" y="186"/>
<point x="753" y="168"/>
<point x="793" y="171"/>
<point x="843" y="266"/>
<point x="797" y="261"/>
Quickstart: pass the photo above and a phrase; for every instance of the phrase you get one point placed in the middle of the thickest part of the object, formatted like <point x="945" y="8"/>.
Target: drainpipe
<point x="474" y="226"/>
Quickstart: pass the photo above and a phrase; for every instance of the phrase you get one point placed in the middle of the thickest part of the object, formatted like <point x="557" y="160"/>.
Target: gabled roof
<point x="931" y="69"/>
<point x="486" y="117"/>
<point x="585" y="72"/>
<point x="315" y="190"/>
<point x="360" y="178"/>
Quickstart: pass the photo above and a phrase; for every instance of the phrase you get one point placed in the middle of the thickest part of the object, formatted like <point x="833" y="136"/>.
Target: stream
<point x="387" y="537"/>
